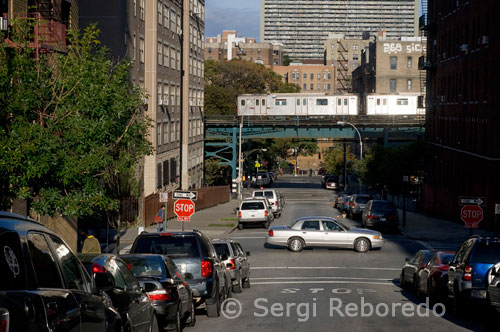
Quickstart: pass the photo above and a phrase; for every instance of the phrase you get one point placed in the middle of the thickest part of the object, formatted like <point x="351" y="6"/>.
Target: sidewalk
<point x="424" y="228"/>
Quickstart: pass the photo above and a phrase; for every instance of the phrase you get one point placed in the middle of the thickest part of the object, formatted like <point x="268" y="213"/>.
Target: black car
<point x="380" y="214"/>
<point x="192" y="252"/>
<point x="44" y="286"/>
<point x="410" y="272"/>
<point x="126" y="295"/>
<point x="494" y="286"/>
<point x="467" y="275"/>
<point x="168" y="291"/>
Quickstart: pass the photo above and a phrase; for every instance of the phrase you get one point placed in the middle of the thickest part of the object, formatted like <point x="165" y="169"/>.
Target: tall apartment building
<point x="310" y="78"/>
<point x="345" y="55"/>
<point x="302" y="26"/>
<point x="149" y="32"/>
<point x="229" y="46"/>
<point x="462" y="117"/>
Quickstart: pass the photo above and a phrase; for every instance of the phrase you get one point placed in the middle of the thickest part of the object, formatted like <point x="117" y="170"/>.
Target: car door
<point x="61" y="307"/>
<point x="182" y="290"/>
<point x="410" y="267"/>
<point x="312" y="233"/>
<point x="78" y="281"/>
<point x="140" y="306"/>
<point x="334" y="235"/>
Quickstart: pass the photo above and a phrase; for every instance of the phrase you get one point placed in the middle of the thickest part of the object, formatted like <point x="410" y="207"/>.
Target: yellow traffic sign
<point x="257" y="164"/>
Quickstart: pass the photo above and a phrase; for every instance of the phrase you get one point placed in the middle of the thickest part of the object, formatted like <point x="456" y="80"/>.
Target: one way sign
<point x="465" y="200"/>
<point x="192" y="195"/>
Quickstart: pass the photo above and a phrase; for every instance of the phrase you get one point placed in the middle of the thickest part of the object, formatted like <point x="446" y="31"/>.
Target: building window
<point x="141" y="50"/>
<point x="135" y="8"/>
<point x="158" y="134"/>
<point x="312" y="86"/>
<point x="141" y="5"/>
<point x="312" y="76"/>
<point x="394" y="63"/>
<point x="355" y="47"/>
<point x="165" y="172"/>
<point x="392" y="85"/>
<point x="158" y="175"/>
<point x="172" y="20"/>
<point x="160" y="54"/>
<point x="165" y="133"/>
<point x="409" y="85"/>
<point x="172" y="58"/>
<point x="319" y="87"/>
<point x="159" y="93"/>
<point x="409" y="62"/>
<point x="329" y="86"/>
<point x="325" y="75"/>
<point x="329" y="75"/>
<point x="165" y="16"/>
<point x="325" y="87"/>
<point x="318" y="76"/>
<point x="160" y="7"/>
<point x="305" y="76"/>
<point x="134" y="47"/>
<point x="165" y="56"/>
<point x="304" y="86"/>
<point x="333" y="47"/>
<point x="355" y="57"/>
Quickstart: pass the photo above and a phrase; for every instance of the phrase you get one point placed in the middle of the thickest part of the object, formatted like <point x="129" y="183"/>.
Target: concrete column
<point x="185" y="97"/>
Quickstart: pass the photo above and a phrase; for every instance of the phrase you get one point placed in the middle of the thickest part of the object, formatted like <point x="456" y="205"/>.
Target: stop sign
<point x="471" y="215"/>
<point x="184" y="209"/>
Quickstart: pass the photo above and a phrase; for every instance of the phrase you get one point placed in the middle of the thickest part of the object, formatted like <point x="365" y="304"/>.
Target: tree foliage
<point x="71" y="125"/>
<point x="225" y="80"/>
<point x="215" y="174"/>
<point x="334" y="160"/>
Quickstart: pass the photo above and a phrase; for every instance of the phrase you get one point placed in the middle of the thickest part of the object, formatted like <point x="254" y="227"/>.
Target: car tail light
<point x="265" y="213"/>
<point x="271" y="232"/>
<point x="468" y="273"/>
<point x="233" y="263"/>
<point x="165" y="234"/>
<point x="371" y="217"/>
<point x="206" y="268"/>
<point x="98" y="268"/>
<point x="444" y="268"/>
<point x="4" y="320"/>
<point x="239" y="214"/>
<point x="159" y="295"/>
<point x="352" y="204"/>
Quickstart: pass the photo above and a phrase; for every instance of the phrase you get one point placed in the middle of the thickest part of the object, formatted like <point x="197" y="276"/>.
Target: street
<point x="321" y="289"/>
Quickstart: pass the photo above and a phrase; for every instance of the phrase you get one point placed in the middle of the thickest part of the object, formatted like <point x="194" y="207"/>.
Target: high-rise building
<point x="462" y="119"/>
<point x="149" y="32"/>
<point x="303" y="26"/>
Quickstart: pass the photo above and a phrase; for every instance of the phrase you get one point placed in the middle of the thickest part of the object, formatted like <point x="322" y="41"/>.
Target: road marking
<point x="322" y="282"/>
<point x="298" y="278"/>
<point x="323" y="268"/>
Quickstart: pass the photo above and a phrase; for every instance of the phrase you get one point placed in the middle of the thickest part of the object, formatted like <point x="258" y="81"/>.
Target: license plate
<point x="383" y="219"/>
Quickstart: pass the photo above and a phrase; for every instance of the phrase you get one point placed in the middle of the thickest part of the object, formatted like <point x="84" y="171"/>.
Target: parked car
<point x="323" y="232"/>
<point x="332" y="182"/>
<point x="40" y="275"/>
<point x="433" y="278"/>
<point x="273" y="196"/>
<point x="357" y="204"/>
<point x="126" y="295"/>
<point x="380" y="214"/>
<point x="410" y="271"/>
<point x="254" y="211"/>
<point x="192" y="252"/>
<point x="344" y="204"/>
<point x="169" y="293"/>
<point x="262" y="179"/>
<point x="468" y="270"/>
<point x="237" y="261"/>
<point x="493" y="292"/>
<point x="324" y="177"/>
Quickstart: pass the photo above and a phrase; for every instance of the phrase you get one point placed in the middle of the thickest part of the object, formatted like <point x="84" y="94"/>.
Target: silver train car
<point x="301" y="104"/>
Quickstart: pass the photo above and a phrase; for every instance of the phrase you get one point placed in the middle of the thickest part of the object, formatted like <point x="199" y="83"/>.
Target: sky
<point x="240" y="15"/>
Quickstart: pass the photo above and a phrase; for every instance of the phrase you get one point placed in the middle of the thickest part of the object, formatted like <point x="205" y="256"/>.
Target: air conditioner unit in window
<point x="165" y="102"/>
<point x="484" y="40"/>
<point x="197" y="10"/>
<point x="161" y="102"/>
<point x="179" y="31"/>
<point x="200" y="103"/>
<point x="4" y="23"/>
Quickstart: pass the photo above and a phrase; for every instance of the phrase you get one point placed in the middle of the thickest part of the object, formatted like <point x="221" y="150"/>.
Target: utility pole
<point x="345" y="166"/>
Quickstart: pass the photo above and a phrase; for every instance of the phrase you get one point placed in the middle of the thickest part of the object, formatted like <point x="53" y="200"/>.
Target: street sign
<point x="164" y="197"/>
<point x="184" y="209"/>
<point x="471" y="215"/>
<point x="257" y="164"/>
<point x="467" y="200"/>
<point x="192" y="195"/>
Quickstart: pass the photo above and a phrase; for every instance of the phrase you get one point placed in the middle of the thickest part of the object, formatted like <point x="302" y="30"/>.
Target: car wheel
<point x="237" y="288"/>
<point x="191" y="320"/>
<point x="362" y="245"/>
<point x="246" y="283"/>
<point x="296" y="244"/>
<point x="457" y="302"/>
<point x="213" y="309"/>
<point x="240" y="226"/>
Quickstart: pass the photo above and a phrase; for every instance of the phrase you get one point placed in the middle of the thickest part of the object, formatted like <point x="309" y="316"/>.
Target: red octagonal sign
<point x="184" y="209"/>
<point x="471" y="215"/>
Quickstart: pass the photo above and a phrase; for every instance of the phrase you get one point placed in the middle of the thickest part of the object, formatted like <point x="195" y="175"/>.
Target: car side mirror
<point x="188" y="276"/>
<point x="248" y="253"/>
<point x="104" y="281"/>
<point x="148" y="287"/>
<point x="170" y="281"/>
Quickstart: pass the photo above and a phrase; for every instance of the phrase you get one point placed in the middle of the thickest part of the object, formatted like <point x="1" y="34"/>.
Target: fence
<point x="207" y="197"/>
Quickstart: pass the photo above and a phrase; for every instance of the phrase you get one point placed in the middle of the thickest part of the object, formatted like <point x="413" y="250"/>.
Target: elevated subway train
<point x="301" y="104"/>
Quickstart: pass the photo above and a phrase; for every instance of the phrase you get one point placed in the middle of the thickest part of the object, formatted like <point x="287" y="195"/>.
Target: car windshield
<point x="168" y="245"/>
<point x="487" y="253"/>
<point x="147" y="266"/>
<point x="332" y="179"/>
<point x="222" y="249"/>
<point x="383" y="207"/>
<point x="252" y="206"/>
<point x="362" y="199"/>
<point x="258" y="194"/>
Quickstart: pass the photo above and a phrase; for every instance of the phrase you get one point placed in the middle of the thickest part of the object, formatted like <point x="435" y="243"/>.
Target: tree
<point x="334" y="160"/>
<point x="225" y="80"/>
<point x="216" y="174"/>
<point x="71" y="125"/>
<point x="286" y="60"/>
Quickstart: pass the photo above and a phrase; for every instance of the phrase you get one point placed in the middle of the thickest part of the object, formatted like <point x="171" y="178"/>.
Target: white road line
<point x="298" y="278"/>
<point x="323" y="268"/>
<point x="322" y="282"/>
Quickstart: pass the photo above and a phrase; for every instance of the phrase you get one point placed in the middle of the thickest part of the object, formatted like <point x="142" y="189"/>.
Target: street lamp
<point x="342" y="123"/>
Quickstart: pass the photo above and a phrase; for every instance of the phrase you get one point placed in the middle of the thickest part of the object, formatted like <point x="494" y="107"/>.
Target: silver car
<point x="323" y="232"/>
<point x="255" y="211"/>
<point x="237" y="262"/>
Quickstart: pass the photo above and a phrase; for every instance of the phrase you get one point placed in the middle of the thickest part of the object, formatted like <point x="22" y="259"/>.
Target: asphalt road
<point x="321" y="289"/>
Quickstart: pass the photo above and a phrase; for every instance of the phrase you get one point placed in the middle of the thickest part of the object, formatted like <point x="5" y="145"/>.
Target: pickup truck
<point x="323" y="232"/>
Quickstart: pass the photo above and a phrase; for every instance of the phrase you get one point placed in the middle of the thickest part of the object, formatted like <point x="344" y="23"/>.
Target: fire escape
<point x="343" y="84"/>
<point x="50" y="30"/>
<point x="423" y="61"/>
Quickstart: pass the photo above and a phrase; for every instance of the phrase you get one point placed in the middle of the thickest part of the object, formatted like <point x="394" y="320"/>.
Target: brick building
<point x="462" y="118"/>
<point x="229" y="46"/>
<point x="310" y="78"/>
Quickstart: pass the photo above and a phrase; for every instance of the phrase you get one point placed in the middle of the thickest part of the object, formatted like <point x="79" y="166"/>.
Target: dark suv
<point x="44" y="286"/>
<point x="194" y="253"/>
<point x="469" y="268"/>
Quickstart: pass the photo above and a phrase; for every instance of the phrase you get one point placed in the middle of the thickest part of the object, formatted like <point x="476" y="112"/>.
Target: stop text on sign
<point x="471" y="215"/>
<point x="184" y="209"/>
